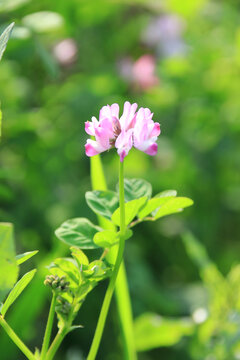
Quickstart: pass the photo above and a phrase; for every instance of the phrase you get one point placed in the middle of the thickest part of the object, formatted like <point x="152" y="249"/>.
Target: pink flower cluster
<point x="131" y="129"/>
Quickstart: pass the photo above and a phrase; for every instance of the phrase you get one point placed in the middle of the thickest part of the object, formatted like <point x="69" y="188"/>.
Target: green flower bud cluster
<point x="57" y="283"/>
<point x="63" y="306"/>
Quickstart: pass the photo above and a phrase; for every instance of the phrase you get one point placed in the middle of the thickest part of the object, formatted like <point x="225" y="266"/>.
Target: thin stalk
<point x="56" y="343"/>
<point x="16" y="339"/>
<point x="48" y="331"/>
<point x="61" y="333"/>
<point x="108" y="296"/>
<point x="121" y="287"/>
<point x="125" y="314"/>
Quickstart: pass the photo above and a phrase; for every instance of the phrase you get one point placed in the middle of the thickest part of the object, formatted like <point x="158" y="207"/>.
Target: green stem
<point x="121" y="287"/>
<point x="62" y="332"/>
<point x="48" y="331"/>
<point x="56" y="343"/>
<point x="108" y="296"/>
<point x="125" y="314"/>
<point x="16" y="339"/>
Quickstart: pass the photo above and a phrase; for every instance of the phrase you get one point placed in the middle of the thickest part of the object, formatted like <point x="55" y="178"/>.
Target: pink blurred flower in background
<point x="140" y="73"/>
<point x="65" y="52"/>
<point x="144" y="72"/>
<point x="132" y="129"/>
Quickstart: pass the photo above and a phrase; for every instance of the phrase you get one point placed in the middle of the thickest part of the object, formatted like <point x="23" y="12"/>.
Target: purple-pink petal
<point x="127" y="120"/>
<point x="156" y="130"/>
<point x="122" y="155"/>
<point x="90" y="150"/>
<point x="89" y="128"/>
<point x="131" y="129"/>
<point x="152" y="149"/>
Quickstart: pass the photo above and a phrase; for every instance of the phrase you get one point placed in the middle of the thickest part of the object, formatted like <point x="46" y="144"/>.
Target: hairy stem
<point x="16" y="339"/>
<point x="108" y="296"/>
<point x="48" y="331"/>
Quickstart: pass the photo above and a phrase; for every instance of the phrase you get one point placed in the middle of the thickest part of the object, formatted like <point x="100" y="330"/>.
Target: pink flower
<point x="139" y="73"/>
<point x="65" y="52"/>
<point x="131" y="129"/>
<point x="144" y="72"/>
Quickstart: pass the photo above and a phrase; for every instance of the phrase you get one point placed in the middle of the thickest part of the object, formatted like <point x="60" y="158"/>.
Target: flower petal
<point x="156" y="130"/>
<point x="152" y="149"/>
<point x="109" y="112"/>
<point x="128" y="117"/>
<point x="93" y="148"/>
<point x="115" y="110"/>
<point x="124" y="143"/>
<point x="89" y="128"/>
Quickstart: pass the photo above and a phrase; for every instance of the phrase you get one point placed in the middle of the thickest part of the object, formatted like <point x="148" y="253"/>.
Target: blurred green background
<point x="65" y="60"/>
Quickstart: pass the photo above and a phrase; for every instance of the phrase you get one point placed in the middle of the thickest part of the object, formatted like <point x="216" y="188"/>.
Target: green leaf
<point x="153" y="331"/>
<point x="97" y="270"/>
<point x="109" y="238"/>
<point x="8" y="263"/>
<point x="132" y="208"/>
<point x="103" y="203"/>
<point x="209" y="272"/>
<point x="43" y="21"/>
<point x="136" y="188"/>
<point x="75" y="327"/>
<point x="128" y="234"/>
<point x="79" y="256"/>
<point x="173" y="206"/>
<point x="106" y="238"/>
<point x="4" y="38"/>
<point x="66" y="267"/>
<point x="166" y="193"/>
<point x="21" y="258"/>
<point x="17" y="290"/>
<point x="85" y="288"/>
<point x="78" y="232"/>
<point x="37" y="353"/>
<point x="196" y="251"/>
<point x="152" y="205"/>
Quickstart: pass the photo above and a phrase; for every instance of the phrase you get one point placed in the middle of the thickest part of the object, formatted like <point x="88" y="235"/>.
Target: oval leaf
<point x="106" y="238"/>
<point x="153" y="331"/>
<point x="17" y="290"/>
<point x="136" y="188"/>
<point x="21" y="258"/>
<point x="103" y="203"/>
<point x="173" y="206"/>
<point x="78" y="232"/>
<point x="132" y="208"/>
<point x="166" y="193"/>
<point x="152" y="205"/>
<point x="109" y="238"/>
<point x="79" y="256"/>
